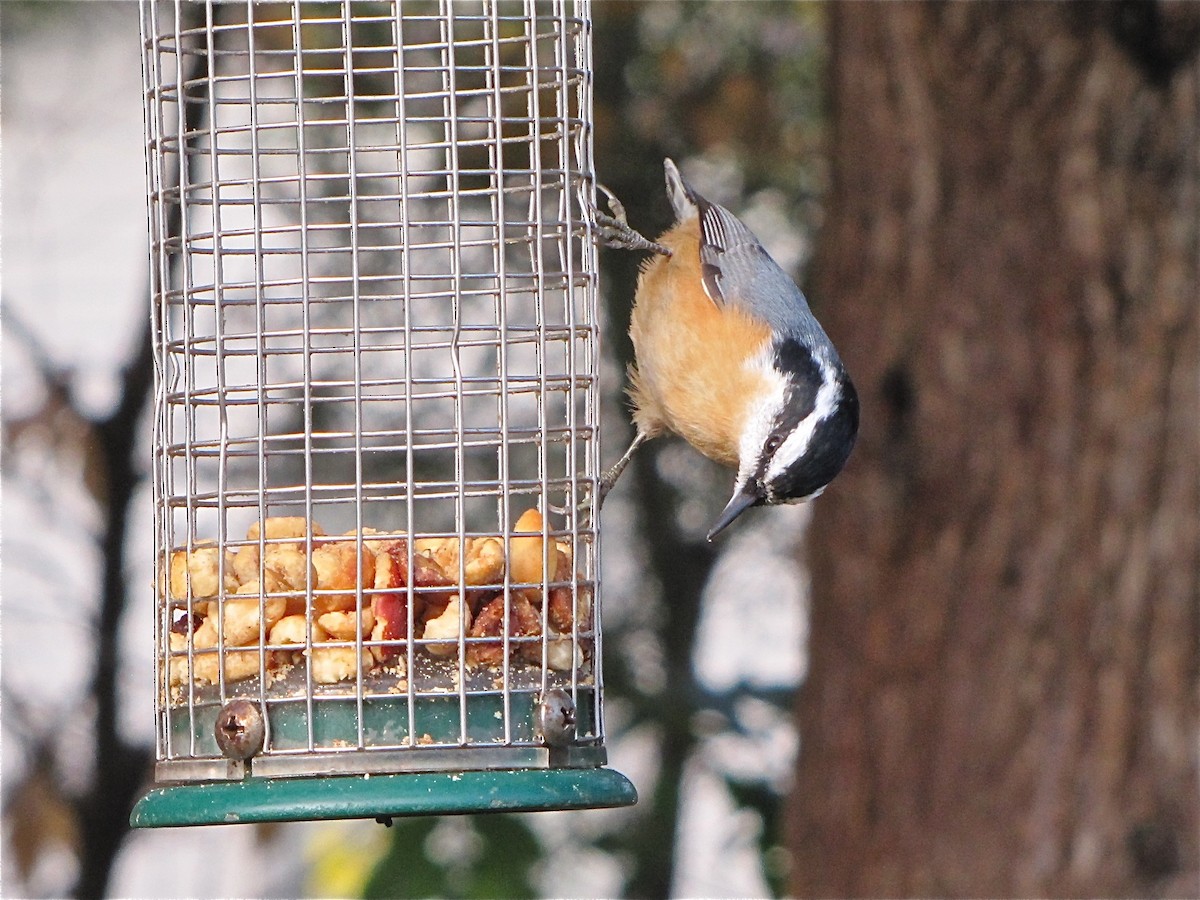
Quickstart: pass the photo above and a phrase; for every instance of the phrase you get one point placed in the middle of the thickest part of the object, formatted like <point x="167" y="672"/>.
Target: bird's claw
<point x="615" y="230"/>
<point x="617" y="207"/>
<point x="586" y="509"/>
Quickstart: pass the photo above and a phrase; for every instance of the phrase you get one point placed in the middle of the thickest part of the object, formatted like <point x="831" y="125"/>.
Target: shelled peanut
<point x="360" y="591"/>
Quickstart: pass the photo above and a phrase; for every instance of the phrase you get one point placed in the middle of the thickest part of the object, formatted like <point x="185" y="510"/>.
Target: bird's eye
<point x="773" y="443"/>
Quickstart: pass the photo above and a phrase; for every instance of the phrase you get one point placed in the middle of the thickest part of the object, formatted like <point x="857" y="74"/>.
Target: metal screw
<point x="556" y="718"/>
<point x="239" y="729"/>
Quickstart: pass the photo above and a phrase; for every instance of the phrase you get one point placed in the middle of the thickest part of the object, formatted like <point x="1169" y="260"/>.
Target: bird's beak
<point x="744" y="498"/>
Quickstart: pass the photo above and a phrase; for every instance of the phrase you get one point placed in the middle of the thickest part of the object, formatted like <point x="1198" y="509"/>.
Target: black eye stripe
<point x="804" y="376"/>
<point x="832" y="439"/>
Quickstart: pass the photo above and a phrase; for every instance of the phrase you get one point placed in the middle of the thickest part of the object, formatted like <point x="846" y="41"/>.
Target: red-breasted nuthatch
<point x="729" y="357"/>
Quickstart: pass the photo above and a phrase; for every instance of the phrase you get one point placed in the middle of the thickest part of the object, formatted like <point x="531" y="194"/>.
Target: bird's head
<point x="798" y="433"/>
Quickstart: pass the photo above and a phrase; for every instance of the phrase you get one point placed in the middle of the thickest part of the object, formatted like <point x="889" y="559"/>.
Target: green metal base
<point x="381" y="796"/>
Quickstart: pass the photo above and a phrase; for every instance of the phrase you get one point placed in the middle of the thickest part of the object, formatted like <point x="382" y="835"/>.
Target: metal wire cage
<point x="376" y="355"/>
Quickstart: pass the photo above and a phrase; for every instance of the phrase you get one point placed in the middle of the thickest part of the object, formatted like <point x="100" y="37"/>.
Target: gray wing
<point x="736" y="269"/>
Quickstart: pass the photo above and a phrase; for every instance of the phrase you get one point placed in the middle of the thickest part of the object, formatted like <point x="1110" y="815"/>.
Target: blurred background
<point x="972" y="668"/>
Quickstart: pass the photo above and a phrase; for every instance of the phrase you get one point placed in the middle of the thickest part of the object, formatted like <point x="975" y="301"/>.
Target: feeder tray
<point x="382" y="796"/>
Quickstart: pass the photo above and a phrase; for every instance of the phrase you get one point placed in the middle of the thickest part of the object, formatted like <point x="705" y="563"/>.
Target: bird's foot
<point x="589" y="507"/>
<point x="615" y="230"/>
<point x="587" y="510"/>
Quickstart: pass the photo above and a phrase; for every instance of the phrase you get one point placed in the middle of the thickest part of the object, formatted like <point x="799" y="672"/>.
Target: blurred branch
<point x="61" y="431"/>
<point x="14" y="323"/>
<point x="17" y="713"/>
<point x="121" y="768"/>
<point x="53" y="377"/>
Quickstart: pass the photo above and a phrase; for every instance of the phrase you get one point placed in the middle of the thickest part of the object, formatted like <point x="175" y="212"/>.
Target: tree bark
<point x="1003" y="690"/>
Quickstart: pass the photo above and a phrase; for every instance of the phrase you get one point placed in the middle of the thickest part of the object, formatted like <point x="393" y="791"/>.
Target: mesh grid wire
<point x="375" y="313"/>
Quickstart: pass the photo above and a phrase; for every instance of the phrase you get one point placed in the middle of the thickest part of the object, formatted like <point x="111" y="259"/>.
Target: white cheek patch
<point x="796" y="443"/>
<point x="761" y="416"/>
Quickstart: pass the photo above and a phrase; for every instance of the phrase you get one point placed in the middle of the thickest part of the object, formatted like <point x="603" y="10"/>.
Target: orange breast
<point x="695" y="374"/>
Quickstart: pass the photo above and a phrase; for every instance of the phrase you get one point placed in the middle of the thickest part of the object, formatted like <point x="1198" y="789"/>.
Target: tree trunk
<point x="1003" y="691"/>
<point x="681" y="562"/>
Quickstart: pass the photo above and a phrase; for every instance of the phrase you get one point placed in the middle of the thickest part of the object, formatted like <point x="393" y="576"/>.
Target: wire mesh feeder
<point x="375" y="309"/>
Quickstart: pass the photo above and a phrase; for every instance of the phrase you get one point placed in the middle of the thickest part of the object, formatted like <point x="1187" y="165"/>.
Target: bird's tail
<point x="680" y="193"/>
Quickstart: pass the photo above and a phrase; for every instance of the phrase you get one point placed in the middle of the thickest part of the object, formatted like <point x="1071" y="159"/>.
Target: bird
<point x="728" y="355"/>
